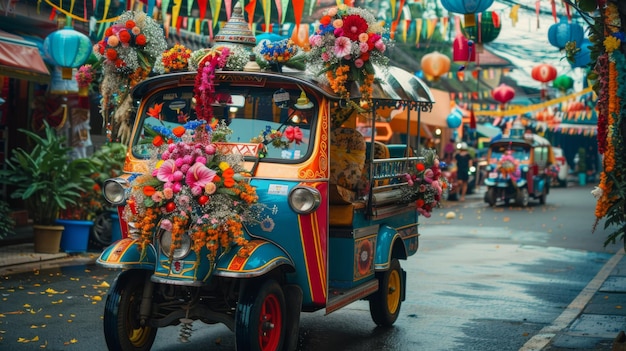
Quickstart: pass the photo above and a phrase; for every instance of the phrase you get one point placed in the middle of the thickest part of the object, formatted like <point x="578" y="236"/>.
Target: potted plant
<point x="581" y="166"/>
<point x="48" y="180"/>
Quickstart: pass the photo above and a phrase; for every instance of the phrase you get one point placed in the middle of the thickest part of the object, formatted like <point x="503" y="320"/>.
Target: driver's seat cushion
<point x="347" y="158"/>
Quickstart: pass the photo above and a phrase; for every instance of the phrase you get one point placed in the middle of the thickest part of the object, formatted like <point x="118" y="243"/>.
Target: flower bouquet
<point x="194" y="189"/>
<point x="84" y="76"/>
<point x="345" y="47"/>
<point x="507" y="166"/>
<point x="426" y="183"/>
<point x="173" y="60"/>
<point x="279" y="53"/>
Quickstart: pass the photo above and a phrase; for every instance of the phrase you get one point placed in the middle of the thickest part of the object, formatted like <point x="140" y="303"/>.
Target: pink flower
<point x="177" y="187"/>
<point x="363" y="47"/>
<point x="293" y="134"/>
<point x="168" y="193"/>
<point x="342" y="47"/>
<point x="210" y="149"/>
<point x="315" y="40"/>
<point x="157" y="196"/>
<point x="380" y="45"/>
<point x="358" y="63"/>
<point x="325" y="56"/>
<point x="166" y="224"/>
<point x="166" y="171"/>
<point x="199" y="176"/>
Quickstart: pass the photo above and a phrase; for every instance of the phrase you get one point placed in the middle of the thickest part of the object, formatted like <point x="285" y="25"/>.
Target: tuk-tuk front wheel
<point x="122" y="328"/>
<point x="260" y="318"/>
<point x="385" y="303"/>
<point x="490" y="197"/>
<point x="522" y="197"/>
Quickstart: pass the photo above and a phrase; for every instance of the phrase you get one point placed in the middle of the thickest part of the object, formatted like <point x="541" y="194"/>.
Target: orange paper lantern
<point x="435" y="64"/>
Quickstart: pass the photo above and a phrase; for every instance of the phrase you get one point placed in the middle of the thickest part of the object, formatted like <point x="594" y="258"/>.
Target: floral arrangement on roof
<point x="194" y="188"/>
<point x="134" y="41"/>
<point x="128" y="53"/>
<point x="426" y="183"/>
<point x="237" y="58"/>
<point x="175" y="59"/>
<point x="346" y="46"/>
<point x="278" y="53"/>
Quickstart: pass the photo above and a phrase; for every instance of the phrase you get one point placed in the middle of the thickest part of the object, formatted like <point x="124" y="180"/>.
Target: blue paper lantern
<point x="454" y="120"/>
<point x="466" y="6"/>
<point x="583" y="57"/>
<point x="68" y="49"/>
<point x="561" y="33"/>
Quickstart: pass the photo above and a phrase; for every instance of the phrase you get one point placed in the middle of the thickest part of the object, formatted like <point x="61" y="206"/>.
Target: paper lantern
<point x="467" y="8"/>
<point x="503" y="94"/>
<point x="486" y="31"/>
<point x="435" y="64"/>
<point x="583" y="57"/>
<point x="454" y="119"/>
<point x="561" y="33"/>
<point x="543" y="73"/>
<point x="463" y="50"/>
<point x="563" y="83"/>
<point x="68" y="49"/>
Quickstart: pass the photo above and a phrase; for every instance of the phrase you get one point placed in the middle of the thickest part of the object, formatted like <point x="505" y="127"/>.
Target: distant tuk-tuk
<point x="519" y="169"/>
<point x="331" y="215"/>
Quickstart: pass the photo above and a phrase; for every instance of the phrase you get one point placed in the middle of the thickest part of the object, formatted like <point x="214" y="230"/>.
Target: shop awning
<point x="21" y="59"/>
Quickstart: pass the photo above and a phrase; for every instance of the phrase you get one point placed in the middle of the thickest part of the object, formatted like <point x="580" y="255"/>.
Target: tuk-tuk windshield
<point x="519" y="151"/>
<point x="274" y="117"/>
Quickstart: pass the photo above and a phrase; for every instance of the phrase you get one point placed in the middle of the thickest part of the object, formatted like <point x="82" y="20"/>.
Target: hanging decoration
<point x="503" y="94"/>
<point x="487" y="29"/>
<point x="467" y="8"/>
<point x="543" y="73"/>
<point x="435" y="65"/>
<point x="454" y="119"/>
<point x="559" y="34"/>
<point x="563" y="83"/>
<point x="463" y="51"/>
<point x="67" y="48"/>
<point x="578" y="56"/>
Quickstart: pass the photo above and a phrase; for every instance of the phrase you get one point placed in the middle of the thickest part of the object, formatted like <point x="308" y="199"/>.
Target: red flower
<point x="130" y="24"/>
<point x="158" y="141"/>
<point x="325" y="20"/>
<point x="124" y="36"/>
<point x="353" y="25"/>
<point x="179" y="131"/>
<point x="111" y="54"/>
<point x="108" y="32"/>
<point x="140" y="40"/>
<point x="420" y="167"/>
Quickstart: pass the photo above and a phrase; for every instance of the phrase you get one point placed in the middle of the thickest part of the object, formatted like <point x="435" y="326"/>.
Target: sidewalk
<point x="17" y="254"/>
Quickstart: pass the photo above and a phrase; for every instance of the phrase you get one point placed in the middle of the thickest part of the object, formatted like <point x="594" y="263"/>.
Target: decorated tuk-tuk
<point x="249" y="197"/>
<point x="519" y="169"/>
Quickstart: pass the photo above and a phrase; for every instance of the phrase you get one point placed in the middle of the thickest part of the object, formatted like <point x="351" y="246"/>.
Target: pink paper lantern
<point x="503" y="94"/>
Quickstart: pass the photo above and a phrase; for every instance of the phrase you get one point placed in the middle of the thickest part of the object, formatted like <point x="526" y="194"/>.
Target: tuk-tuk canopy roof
<point x="392" y="85"/>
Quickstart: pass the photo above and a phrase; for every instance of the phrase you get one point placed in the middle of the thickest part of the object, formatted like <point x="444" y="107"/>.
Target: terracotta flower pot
<point x="47" y="238"/>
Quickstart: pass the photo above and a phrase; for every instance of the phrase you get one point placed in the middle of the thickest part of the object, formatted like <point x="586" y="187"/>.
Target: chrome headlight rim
<point x="304" y="199"/>
<point x="115" y="190"/>
<point x="165" y="242"/>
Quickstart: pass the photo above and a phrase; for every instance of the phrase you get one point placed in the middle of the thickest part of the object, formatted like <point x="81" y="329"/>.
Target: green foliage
<point x="45" y="177"/>
<point x="581" y="167"/>
<point x="7" y="224"/>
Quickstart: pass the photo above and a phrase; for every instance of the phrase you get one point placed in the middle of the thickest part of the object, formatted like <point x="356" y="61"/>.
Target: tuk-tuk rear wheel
<point x="385" y="303"/>
<point x="260" y="318"/>
<point x="490" y="197"/>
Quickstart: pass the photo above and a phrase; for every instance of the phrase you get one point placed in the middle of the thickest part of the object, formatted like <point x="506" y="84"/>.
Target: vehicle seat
<point x="347" y="159"/>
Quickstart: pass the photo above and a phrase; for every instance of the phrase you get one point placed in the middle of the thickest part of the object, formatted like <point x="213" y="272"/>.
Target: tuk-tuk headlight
<point x="115" y="190"/>
<point x="304" y="200"/>
<point x="165" y="243"/>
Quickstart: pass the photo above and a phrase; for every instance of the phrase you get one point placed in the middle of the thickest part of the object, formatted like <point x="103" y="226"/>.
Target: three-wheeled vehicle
<point x="518" y="169"/>
<point x="333" y="224"/>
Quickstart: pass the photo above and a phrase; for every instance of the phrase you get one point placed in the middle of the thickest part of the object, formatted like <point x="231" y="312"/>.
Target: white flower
<point x="597" y="192"/>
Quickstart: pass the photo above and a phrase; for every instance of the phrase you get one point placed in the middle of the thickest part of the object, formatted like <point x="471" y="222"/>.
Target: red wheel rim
<point x="270" y="324"/>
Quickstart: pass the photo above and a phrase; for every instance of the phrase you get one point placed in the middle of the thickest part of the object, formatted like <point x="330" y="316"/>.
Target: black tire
<point x="101" y="232"/>
<point x="490" y="197"/>
<point x="260" y="318"/>
<point x="544" y="195"/>
<point x="386" y="302"/>
<point x="521" y="198"/>
<point x="121" y="314"/>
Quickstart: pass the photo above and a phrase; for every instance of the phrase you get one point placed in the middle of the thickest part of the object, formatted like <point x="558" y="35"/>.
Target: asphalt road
<point x="487" y="280"/>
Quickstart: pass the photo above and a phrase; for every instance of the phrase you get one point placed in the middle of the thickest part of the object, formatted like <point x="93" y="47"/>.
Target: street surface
<point x="489" y="279"/>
